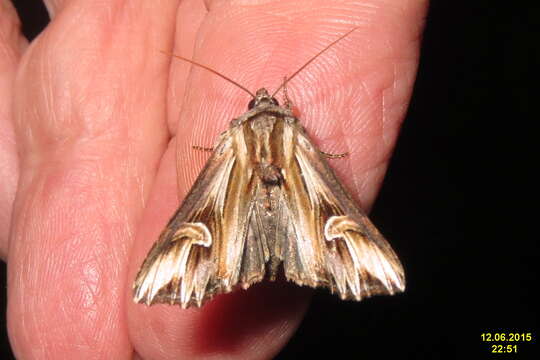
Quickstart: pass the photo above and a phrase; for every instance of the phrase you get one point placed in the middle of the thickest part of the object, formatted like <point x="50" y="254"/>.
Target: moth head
<point x="262" y="97"/>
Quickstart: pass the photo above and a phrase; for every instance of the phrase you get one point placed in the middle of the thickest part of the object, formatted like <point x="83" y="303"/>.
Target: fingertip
<point x="260" y="319"/>
<point x="245" y="324"/>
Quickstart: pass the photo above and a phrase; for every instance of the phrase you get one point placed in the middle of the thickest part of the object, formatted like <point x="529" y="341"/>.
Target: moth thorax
<point x="263" y="124"/>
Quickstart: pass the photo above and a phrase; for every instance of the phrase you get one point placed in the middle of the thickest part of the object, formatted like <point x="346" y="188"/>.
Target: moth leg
<point x="334" y="156"/>
<point x="202" y="148"/>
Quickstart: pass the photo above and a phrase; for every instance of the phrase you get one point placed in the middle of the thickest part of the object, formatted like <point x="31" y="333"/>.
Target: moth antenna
<point x="313" y="58"/>
<point x="209" y="69"/>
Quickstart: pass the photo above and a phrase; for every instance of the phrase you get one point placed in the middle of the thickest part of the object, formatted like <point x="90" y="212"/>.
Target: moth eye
<point x="274" y="101"/>
<point x="252" y="103"/>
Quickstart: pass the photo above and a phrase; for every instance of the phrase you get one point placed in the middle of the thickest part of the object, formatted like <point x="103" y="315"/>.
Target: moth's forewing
<point x="358" y="261"/>
<point x="181" y="264"/>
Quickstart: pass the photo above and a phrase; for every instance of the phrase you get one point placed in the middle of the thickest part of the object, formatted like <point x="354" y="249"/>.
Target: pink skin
<point x="94" y="120"/>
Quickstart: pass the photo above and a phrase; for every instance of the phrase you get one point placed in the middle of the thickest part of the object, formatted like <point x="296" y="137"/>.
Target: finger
<point x="90" y="123"/>
<point x="190" y="16"/>
<point x="352" y="98"/>
<point x="11" y="44"/>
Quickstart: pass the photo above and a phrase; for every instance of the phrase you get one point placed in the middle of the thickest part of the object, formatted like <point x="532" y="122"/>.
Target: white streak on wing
<point x="365" y="254"/>
<point x="171" y="265"/>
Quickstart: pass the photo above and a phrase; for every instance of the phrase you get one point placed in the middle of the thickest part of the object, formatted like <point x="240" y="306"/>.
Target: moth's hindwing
<point x="267" y="197"/>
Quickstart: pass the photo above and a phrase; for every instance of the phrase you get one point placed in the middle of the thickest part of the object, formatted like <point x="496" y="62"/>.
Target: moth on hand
<point x="267" y="201"/>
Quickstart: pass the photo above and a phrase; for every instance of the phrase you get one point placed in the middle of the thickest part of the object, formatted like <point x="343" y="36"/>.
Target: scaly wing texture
<point x="330" y="241"/>
<point x="232" y="228"/>
<point x="203" y="249"/>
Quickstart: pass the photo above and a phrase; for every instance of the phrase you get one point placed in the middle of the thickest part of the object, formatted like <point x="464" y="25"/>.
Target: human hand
<point x="91" y="114"/>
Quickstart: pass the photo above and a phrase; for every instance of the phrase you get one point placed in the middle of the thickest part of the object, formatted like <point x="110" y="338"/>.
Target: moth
<point x="267" y="201"/>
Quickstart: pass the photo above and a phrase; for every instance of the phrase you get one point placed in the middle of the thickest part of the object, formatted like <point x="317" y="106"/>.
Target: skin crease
<point x="97" y="120"/>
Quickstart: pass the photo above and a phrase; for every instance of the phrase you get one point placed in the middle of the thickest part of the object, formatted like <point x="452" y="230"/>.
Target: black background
<point x="473" y="77"/>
